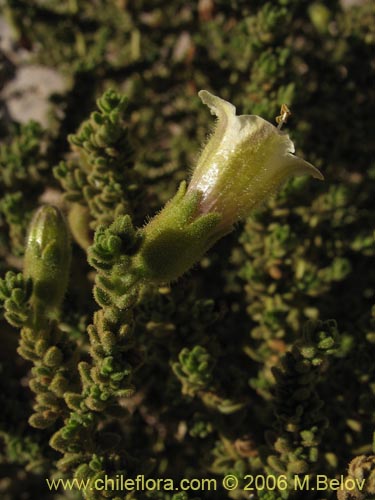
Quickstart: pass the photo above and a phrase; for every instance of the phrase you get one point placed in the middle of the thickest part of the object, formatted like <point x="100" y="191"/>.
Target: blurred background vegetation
<point x="261" y="360"/>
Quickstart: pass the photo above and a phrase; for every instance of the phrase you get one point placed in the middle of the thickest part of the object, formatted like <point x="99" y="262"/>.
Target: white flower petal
<point x="245" y="160"/>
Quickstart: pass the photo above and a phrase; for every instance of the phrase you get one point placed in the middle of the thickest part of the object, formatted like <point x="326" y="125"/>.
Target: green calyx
<point x="47" y="260"/>
<point x="168" y="246"/>
<point x="176" y="238"/>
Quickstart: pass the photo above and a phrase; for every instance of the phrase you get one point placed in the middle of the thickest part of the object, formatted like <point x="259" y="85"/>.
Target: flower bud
<point x="47" y="259"/>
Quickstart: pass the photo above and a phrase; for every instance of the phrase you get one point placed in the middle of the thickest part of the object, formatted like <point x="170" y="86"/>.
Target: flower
<point x="245" y="160"/>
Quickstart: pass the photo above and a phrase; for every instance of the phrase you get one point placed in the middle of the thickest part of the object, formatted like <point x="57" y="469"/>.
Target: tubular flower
<point x="245" y="160"/>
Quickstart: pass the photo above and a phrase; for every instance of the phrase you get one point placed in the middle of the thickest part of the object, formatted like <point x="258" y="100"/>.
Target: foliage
<point x="260" y="359"/>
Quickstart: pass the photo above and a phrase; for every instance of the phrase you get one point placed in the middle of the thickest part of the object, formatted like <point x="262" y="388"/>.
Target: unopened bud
<point x="47" y="259"/>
